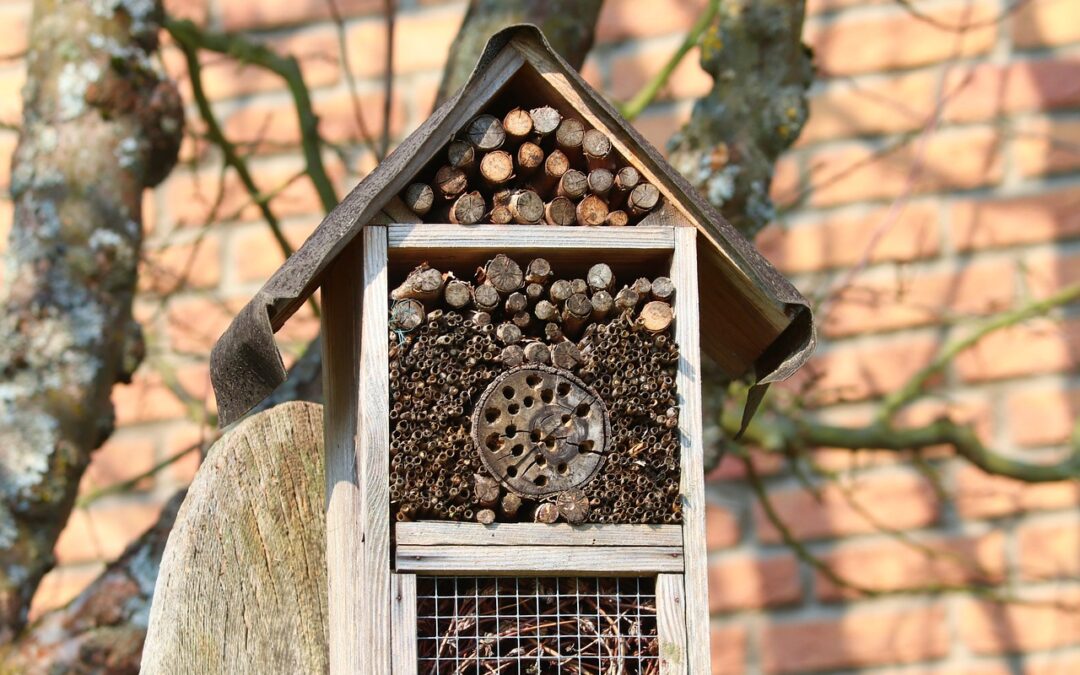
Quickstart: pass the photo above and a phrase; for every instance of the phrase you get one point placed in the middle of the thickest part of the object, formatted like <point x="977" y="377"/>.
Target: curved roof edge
<point x="246" y="366"/>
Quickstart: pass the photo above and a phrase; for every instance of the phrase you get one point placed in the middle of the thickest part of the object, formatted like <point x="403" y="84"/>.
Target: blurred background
<point x="933" y="195"/>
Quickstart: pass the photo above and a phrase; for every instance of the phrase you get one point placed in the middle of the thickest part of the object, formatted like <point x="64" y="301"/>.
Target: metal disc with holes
<point x="540" y="430"/>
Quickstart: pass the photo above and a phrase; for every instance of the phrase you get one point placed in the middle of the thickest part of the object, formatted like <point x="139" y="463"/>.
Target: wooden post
<point x="341" y="374"/>
<point x="688" y="383"/>
<point x="373" y="582"/>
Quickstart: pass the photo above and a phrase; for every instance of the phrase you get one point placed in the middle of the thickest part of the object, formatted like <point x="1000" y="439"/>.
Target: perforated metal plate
<point x="540" y="430"/>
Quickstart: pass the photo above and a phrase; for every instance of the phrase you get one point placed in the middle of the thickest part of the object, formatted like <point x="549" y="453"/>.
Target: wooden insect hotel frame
<point x="515" y="306"/>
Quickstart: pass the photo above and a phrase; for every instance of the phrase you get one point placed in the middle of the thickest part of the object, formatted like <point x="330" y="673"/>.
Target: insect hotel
<point x="515" y="304"/>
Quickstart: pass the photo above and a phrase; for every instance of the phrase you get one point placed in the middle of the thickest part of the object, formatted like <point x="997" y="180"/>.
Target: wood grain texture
<point x="688" y="383"/>
<point x="671" y="623"/>
<point x="374" y="458"/>
<point x="539" y="560"/>
<point x="529" y="237"/>
<point x="433" y="533"/>
<point x="341" y="293"/>
<point x="242" y="583"/>
<point x="403" y="619"/>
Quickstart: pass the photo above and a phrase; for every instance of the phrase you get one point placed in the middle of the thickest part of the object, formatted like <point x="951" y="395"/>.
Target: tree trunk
<point x="98" y="127"/>
<point x="568" y="25"/>
<point x="102" y="630"/>
<point x="755" y="110"/>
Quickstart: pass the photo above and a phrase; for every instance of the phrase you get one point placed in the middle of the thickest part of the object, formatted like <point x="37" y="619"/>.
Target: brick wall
<point x="943" y="163"/>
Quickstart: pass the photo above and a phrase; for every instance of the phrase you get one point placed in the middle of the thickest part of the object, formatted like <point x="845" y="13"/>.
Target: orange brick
<point x="631" y="71"/>
<point x="1039" y="346"/>
<point x="1047" y="621"/>
<point x="901" y="501"/>
<point x="949" y="160"/>
<point x="856" y="372"/>
<point x="193" y="198"/>
<point x="659" y="124"/>
<point x="629" y="19"/>
<point x="896" y="565"/>
<point x="913" y="299"/>
<point x="123" y="457"/>
<point x="981" y="495"/>
<point x="192" y="10"/>
<point x="745" y="582"/>
<point x="842" y="241"/>
<point x="195" y="324"/>
<point x="859" y="638"/>
<point x="1042" y="147"/>
<point x="814" y="7"/>
<point x="1019" y="220"/>
<point x="103" y="531"/>
<point x="899" y="40"/>
<point x="786" y="185"/>
<point x="15" y="34"/>
<point x="11" y="84"/>
<point x="315" y="49"/>
<point x="146" y="399"/>
<point x="421" y="42"/>
<point x="1043" y="417"/>
<point x="1046" y="273"/>
<point x="721" y="527"/>
<point x="61" y="585"/>
<point x="239" y="15"/>
<point x="1050" y="550"/>
<point x="1046" y="23"/>
<point x="882" y="105"/>
<point x="988" y="90"/>
<point x="256" y="254"/>
<point x="173" y="267"/>
<point x="728" y="644"/>
<point x="1052" y="664"/>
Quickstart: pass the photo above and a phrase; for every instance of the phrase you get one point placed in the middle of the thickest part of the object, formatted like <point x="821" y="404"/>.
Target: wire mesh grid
<point x="537" y="625"/>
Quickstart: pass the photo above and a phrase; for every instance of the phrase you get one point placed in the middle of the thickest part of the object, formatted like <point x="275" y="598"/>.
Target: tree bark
<point x="103" y="629"/>
<point x="754" y="111"/>
<point x="568" y="25"/>
<point x="99" y="125"/>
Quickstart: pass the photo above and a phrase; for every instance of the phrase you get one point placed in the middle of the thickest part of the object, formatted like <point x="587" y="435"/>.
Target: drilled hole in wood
<point x="513" y="408"/>
<point x="540" y="481"/>
<point x="563" y="388"/>
<point x="517" y="450"/>
<point x="547" y="396"/>
<point x="533" y="381"/>
<point x="582" y="410"/>
<point x="511" y="431"/>
<point x="508" y="393"/>
<point x="492" y="414"/>
<point x="528" y="401"/>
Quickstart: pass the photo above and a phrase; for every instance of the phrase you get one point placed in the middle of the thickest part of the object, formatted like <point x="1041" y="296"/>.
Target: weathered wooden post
<point x="513" y="408"/>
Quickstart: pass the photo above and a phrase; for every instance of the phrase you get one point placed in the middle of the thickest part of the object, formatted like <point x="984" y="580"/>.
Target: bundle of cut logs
<point x="532" y="167"/>
<point x="450" y="338"/>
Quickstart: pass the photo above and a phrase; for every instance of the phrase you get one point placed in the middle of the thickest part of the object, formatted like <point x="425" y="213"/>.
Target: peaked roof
<point x="743" y="299"/>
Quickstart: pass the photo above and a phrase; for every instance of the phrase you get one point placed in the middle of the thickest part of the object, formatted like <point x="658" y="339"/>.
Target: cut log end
<point x="656" y="316"/>
<point x="573" y="184"/>
<point x="547" y="513"/>
<point x="530" y="157"/>
<point x="537" y="353"/>
<point x="617" y="219"/>
<point x="450" y="181"/>
<point x="643" y="199"/>
<point x="560" y="211"/>
<point x="458" y="294"/>
<point x="591" y="211"/>
<point x="569" y="135"/>
<point x="526" y="207"/>
<point x="497" y="167"/>
<point x="461" y="155"/>
<point x="406" y="315"/>
<point x="504" y="274"/>
<point x="518" y="124"/>
<point x="545" y="120"/>
<point x="419" y="197"/>
<point x="486" y="133"/>
<point x="469" y="209"/>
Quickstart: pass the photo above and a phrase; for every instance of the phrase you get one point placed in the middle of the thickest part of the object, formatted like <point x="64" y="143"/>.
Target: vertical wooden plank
<point x="374" y="456"/>
<point x="341" y="295"/>
<point x="671" y="623"/>
<point x="688" y="382"/>
<point x="403" y="613"/>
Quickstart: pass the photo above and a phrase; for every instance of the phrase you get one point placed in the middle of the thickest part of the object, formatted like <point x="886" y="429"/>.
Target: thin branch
<point x="388" y="78"/>
<point x="133" y="482"/>
<point x="915" y="386"/>
<point x="191" y="38"/>
<point x="350" y="81"/>
<point x="635" y="106"/>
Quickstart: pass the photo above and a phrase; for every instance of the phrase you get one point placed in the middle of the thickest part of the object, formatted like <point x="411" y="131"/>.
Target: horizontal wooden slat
<point x="535" y="534"/>
<point x="510" y="237"/>
<point x="538" y="560"/>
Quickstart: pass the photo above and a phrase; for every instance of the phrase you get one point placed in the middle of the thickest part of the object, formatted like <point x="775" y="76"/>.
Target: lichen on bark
<point x="100" y="124"/>
<point x="754" y="111"/>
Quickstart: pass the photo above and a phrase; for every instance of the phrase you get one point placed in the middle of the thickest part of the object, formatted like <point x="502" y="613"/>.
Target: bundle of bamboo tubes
<point x="452" y="337"/>
<point x="531" y="167"/>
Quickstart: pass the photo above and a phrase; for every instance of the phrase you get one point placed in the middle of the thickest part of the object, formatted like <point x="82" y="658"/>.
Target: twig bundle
<point x="451" y="338"/>
<point x="570" y="175"/>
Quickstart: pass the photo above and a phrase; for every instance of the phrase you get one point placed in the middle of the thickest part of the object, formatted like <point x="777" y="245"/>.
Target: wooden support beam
<point x="539" y="560"/>
<point x="433" y="533"/>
